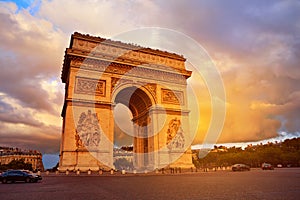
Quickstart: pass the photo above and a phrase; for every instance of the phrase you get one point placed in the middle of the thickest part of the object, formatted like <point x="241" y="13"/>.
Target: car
<point x="267" y="166"/>
<point x="240" y="167"/>
<point x="19" y="175"/>
<point x="279" y="165"/>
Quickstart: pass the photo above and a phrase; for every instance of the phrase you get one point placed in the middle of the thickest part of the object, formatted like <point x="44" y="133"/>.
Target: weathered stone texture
<point x="100" y="73"/>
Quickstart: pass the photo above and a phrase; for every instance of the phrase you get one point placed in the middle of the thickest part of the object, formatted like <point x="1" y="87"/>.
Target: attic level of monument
<point x="95" y="39"/>
<point x="97" y="51"/>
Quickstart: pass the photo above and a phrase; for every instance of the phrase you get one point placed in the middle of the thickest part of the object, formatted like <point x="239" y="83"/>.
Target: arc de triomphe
<point x="98" y="74"/>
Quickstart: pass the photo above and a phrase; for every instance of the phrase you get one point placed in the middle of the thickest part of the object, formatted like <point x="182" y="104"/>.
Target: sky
<point x="255" y="46"/>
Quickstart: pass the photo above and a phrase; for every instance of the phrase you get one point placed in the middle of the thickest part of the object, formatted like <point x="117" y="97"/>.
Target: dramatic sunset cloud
<point x="255" y="45"/>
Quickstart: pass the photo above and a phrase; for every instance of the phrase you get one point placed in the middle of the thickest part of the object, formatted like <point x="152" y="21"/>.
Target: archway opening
<point x="123" y="138"/>
<point x="132" y="122"/>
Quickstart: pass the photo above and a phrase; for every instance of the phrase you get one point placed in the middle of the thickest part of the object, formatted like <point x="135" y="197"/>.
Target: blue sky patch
<point x="32" y="5"/>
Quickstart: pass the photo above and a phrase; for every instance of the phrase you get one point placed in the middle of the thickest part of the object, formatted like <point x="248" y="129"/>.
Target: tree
<point x="285" y="153"/>
<point x="17" y="164"/>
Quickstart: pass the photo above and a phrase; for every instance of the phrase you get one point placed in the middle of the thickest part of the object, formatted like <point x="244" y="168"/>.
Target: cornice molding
<point x="123" y="45"/>
<point x="85" y="48"/>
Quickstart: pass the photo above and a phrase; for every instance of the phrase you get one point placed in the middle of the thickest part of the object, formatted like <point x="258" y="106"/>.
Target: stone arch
<point x="139" y="101"/>
<point x="141" y="87"/>
<point x="154" y="91"/>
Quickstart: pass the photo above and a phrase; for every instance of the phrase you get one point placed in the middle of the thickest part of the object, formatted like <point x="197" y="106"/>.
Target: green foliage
<point x="16" y="164"/>
<point x="286" y="153"/>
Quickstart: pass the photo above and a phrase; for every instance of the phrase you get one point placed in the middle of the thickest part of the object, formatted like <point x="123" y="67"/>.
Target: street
<point x="255" y="184"/>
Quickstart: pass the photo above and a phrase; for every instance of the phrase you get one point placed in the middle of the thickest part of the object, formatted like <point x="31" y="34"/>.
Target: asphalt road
<point x="256" y="184"/>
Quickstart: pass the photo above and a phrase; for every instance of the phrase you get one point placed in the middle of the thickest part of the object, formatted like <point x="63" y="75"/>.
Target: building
<point x="99" y="74"/>
<point x="126" y="156"/>
<point x="8" y="154"/>
<point x="120" y="153"/>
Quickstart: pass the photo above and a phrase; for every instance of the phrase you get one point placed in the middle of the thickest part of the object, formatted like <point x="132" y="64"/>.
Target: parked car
<point x="279" y="165"/>
<point x="267" y="166"/>
<point x="19" y="175"/>
<point x="240" y="167"/>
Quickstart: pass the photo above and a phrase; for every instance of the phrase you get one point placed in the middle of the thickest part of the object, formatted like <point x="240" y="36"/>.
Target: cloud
<point x="43" y="138"/>
<point x="257" y="57"/>
<point x="31" y="54"/>
<point x="31" y="51"/>
<point x="255" y="45"/>
<point x="93" y="17"/>
<point x="26" y="127"/>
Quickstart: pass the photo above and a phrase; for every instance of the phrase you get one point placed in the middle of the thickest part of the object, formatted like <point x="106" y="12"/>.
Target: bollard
<point x="78" y="172"/>
<point x="111" y="171"/>
<point x="172" y="170"/>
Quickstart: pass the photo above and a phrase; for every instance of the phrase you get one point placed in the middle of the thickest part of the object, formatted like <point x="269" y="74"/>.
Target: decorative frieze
<point x="126" y="51"/>
<point x="96" y="53"/>
<point x="129" y="70"/>
<point x="90" y="86"/>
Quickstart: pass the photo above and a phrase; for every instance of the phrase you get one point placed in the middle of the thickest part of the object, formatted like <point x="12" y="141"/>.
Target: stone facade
<point x="101" y="73"/>
<point x="33" y="157"/>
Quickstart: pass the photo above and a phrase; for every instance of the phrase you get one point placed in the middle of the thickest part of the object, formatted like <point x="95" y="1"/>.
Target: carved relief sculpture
<point x="152" y="88"/>
<point x="172" y="97"/>
<point x="175" y="136"/>
<point x="114" y="82"/>
<point x="88" y="132"/>
<point x="90" y="86"/>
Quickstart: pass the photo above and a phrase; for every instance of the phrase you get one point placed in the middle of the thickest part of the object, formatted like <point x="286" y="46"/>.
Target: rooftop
<point x="17" y="151"/>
